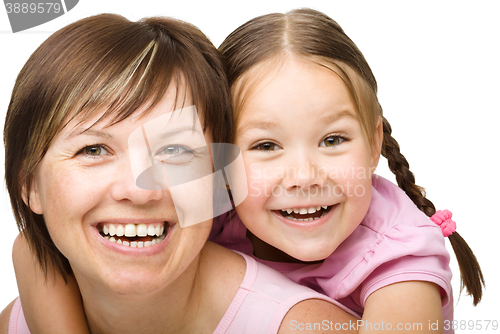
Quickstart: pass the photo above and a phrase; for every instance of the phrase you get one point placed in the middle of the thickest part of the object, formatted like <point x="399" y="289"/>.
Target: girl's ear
<point x="378" y="139"/>
<point x="31" y="197"/>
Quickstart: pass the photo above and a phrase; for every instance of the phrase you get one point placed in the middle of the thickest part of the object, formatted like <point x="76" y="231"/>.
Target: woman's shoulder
<point x="5" y="318"/>
<point x="221" y="257"/>
<point x="223" y="269"/>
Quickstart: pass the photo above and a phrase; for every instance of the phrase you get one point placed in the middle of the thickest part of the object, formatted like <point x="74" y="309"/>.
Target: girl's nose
<point x="303" y="173"/>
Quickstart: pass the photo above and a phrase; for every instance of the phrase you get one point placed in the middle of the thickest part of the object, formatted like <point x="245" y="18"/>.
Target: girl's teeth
<point x="303" y="211"/>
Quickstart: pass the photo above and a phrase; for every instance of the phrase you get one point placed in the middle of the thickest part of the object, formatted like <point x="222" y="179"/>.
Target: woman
<point x="92" y="101"/>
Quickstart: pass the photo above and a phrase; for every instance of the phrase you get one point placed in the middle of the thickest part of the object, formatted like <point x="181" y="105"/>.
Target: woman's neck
<point x="170" y="310"/>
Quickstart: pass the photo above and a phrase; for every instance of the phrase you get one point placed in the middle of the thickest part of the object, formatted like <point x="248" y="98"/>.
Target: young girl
<point x="311" y="131"/>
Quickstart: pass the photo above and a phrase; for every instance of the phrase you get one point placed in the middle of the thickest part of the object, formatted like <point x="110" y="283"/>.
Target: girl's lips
<point x="306" y="225"/>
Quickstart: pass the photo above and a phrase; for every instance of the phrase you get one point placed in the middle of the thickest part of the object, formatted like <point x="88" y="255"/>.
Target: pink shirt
<point x="262" y="301"/>
<point x="395" y="242"/>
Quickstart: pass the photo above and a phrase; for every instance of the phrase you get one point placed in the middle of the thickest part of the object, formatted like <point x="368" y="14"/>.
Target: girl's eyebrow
<point x="269" y="125"/>
<point x="264" y="125"/>
<point x="338" y="116"/>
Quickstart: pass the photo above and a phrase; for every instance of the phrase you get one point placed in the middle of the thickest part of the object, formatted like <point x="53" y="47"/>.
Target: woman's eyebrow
<point x="88" y="132"/>
<point x="173" y="132"/>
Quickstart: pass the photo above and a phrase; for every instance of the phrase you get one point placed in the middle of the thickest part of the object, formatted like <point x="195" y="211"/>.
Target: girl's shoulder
<point x="390" y="207"/>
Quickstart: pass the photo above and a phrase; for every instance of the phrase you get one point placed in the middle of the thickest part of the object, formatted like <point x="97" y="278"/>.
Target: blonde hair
<point x="309" y="34"/>
<point x="109" y="63"/>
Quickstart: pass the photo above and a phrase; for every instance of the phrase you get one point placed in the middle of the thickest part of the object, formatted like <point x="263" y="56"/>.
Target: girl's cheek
<point x="261" y="180"/>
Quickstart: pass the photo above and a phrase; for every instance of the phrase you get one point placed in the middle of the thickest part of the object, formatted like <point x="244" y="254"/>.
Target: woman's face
<point x="86" y="189"/>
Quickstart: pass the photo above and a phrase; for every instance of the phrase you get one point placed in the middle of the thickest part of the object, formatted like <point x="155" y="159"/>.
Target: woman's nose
<point x="138" y="190"/>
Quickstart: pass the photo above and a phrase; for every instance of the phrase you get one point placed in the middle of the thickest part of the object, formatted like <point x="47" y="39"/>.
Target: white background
<point x="437" y="66"/>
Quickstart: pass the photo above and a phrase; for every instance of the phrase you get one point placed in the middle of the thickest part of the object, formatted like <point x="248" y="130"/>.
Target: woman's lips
<point x="133" y="235"/>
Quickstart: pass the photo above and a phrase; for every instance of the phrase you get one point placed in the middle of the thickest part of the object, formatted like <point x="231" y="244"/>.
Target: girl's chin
<point x="310" y="255"/>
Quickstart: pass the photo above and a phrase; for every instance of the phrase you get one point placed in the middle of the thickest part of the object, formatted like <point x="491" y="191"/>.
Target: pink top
<point x="395" y="242"/>
<point x="262" y="301"/>
<point x="17" y="322"/>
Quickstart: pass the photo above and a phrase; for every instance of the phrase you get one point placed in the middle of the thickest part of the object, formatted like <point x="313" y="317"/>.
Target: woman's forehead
<point x="157" y="119"/>
<point x="176" y="97"/>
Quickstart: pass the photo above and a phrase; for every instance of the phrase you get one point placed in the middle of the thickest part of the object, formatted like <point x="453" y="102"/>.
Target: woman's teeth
<point x="306" y="214"/>
<point x="120" y="234"/>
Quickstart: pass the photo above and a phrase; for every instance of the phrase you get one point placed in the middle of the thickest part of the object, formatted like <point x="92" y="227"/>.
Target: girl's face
<point x="121" y="237"/>
<point x="307" y="159"/>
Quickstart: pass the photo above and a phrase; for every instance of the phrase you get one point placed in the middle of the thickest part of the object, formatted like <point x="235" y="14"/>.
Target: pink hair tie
<point x="442" y="218"/>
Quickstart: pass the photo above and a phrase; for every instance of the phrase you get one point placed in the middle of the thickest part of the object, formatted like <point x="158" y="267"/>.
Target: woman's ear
<point x="31" y="197"/>
<point x="378" y="139"/>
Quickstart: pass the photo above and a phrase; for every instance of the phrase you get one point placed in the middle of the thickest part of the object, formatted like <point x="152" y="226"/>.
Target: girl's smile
<point x="307" y="159"/>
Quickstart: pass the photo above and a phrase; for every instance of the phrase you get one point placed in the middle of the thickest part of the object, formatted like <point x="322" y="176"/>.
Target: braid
<point x="471" y="276"/>
<point x="401" y="168"/>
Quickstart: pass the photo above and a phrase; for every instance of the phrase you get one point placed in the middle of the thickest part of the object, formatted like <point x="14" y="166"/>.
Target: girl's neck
<point x="171" y="310"/>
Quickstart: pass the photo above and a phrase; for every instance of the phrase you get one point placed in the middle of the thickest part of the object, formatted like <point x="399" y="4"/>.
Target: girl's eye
<point x="267" y="146"/>
<point x="95" y="151"/>
<point x="332" y="141"/>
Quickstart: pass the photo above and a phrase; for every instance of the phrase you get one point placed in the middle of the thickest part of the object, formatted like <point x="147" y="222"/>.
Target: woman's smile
<point x="86" y="188"/>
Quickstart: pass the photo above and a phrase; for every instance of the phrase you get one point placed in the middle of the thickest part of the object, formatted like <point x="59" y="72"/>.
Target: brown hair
<point x="103" y="62"/>
<point x="309" y="34"/>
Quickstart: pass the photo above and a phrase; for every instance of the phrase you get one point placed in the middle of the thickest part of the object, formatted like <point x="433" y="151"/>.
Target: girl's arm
<point x="314" y="316"/>
<point x="412" y="306"/>
<point x="50" y="305"/>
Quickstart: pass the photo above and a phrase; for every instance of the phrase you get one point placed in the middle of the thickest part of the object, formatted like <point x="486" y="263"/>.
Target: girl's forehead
<point x="290" y="83"/>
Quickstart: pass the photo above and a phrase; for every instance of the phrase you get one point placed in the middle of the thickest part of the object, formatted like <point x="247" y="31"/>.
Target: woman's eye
<point x="267" y="146"/>
<point x="171" y="150"/>
<point x="175" y="154"/>
<point x="331" y="141"/>
<point x="95" y="151"/>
